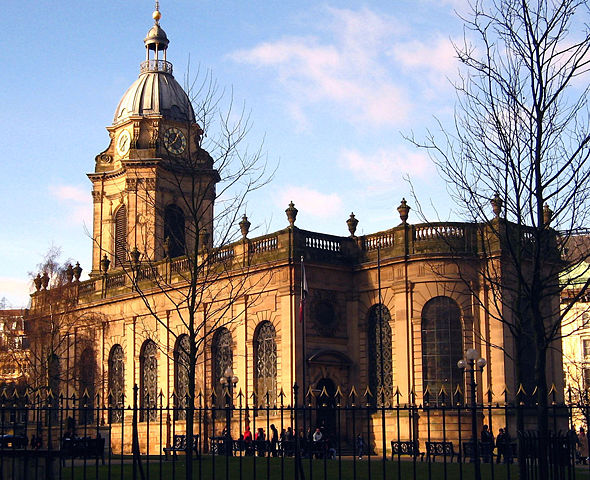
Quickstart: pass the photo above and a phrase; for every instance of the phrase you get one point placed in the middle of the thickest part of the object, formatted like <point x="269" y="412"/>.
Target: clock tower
<point x="153" y="186"/>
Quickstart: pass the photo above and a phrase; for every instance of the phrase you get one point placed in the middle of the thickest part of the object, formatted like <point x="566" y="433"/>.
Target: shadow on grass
<point x="250" y="468"/>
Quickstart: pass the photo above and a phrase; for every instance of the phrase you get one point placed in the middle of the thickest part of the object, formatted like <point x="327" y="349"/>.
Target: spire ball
<point x="156" y="15"/>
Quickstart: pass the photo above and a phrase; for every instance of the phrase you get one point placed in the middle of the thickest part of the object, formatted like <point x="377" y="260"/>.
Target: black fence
<point x="339" y="436"/>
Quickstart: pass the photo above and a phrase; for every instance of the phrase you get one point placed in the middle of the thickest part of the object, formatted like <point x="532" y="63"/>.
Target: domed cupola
<point x="155" y="92"/>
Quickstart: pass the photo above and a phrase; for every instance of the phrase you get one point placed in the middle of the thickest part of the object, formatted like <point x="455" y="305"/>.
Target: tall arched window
<point x="380" y="355"/>
<point x="265" y="361"/>
<point x="148" y="363"/>
<point x="116" y="384"/>
<point x="442" y="346"/>
<point x="120" y="235"/>
<point x="181" y="377"/>
<point x="222" y="355"/>
<point x="174" y="230"/>
<point x="87" y="385"/>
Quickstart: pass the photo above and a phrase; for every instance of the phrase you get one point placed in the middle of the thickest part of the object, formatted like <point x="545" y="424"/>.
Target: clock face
<point x="174" y="141"/>
<point x="123" y="142"/>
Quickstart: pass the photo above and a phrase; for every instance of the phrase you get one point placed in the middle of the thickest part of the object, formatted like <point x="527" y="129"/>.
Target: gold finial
<point x="157" y="15"/>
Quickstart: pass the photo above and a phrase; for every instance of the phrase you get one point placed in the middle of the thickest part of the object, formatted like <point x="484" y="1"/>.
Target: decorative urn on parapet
<point x="403" y="210"/>
<point x="291" y="214"/>
<point x="496" y="205"/>
<point x="245" y="226"/>
<point x="352" y="223"/>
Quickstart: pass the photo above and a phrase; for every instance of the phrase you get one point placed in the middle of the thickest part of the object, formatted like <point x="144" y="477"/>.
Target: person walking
<point x="583" y="446"/>
<point x="360" y="446"/>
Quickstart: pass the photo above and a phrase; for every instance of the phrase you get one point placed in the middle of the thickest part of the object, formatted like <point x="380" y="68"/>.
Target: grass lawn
<point x="274" y="468"/>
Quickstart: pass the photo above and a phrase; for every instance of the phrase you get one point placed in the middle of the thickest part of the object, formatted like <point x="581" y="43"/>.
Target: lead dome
<point x="155" y="92"/>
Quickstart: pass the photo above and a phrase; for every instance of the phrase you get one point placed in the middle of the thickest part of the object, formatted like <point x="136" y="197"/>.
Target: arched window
<point x="221" y="353"/>
<point x="181" y="377"/>
<point x="380" y="355"/>
<point x="120" y="235"/>
<point x="148" y="363"/>
<point x="442" y="346"/>
<point x="116" y="384"/>
<point x="174" y="230"/>
<point x="87" y="385"/>
<point x="265" y="361"/>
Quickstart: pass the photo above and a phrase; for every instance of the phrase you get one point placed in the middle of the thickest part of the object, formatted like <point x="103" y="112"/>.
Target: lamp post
<point x="228" y="381"/>
<point x="470" y="364"/>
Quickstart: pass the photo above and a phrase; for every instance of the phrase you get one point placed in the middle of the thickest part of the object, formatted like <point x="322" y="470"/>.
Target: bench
<point x="410" y="447"/>
<point x="220" y="444"/>
<point x="13" y="441"/>
<point x="443" y="449"/>
<point x="486" y="451"/>
<point x="179" y="445"/>
<point x="86" y="447"/>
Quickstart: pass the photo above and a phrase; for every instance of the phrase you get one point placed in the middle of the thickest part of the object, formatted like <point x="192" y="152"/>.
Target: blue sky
<point x="331" y="87"/>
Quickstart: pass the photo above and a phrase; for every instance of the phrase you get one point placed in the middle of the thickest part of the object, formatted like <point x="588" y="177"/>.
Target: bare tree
<point x="51" y="371"/>
<point x="521" y="140"/>
<point x="194" y="254"/>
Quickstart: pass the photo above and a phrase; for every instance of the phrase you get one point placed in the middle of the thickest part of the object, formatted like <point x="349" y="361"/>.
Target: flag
<point x="304" y="291"/>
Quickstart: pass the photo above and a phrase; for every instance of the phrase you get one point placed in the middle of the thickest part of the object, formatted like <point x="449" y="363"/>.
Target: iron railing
<point x="42" y="436"/>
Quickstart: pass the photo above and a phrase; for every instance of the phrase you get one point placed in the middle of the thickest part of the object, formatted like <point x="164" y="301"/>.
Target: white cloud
<point x="16" y="291"/>
<point x="387" y="168"/>
<point x="310" y="202"/>
<point x="347" y="70"/>
<point x="431" y="62"/>
<point x="77" y="202"/>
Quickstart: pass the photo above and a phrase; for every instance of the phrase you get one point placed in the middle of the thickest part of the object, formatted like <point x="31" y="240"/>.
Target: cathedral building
<point x="386" y="315"/>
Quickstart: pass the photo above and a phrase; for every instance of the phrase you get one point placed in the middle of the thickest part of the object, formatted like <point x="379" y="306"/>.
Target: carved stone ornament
<point x="291" y="214"/>
<point x="135" y="134"/>
<point x="245" y="226"/>
<point x="403" y="210"/>
<point x="96" y="196"/>
<point x="105" y="158"/>
<point x="37" y="281"/>
<point x="352" y="223"/>
<point x="155" y="134"/>
<point x="496" y="205"/>
<point x="547" y="215"/>
<point x="70" y="273"/>
<point x="77" y="271"/>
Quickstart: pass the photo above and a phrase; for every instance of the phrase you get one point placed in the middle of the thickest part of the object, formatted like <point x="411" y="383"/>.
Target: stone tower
<point x="153" y="186"/>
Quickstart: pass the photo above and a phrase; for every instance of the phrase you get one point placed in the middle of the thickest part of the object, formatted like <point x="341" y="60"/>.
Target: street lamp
<point x="228" y="381"/>
<point x="471" y="363"/>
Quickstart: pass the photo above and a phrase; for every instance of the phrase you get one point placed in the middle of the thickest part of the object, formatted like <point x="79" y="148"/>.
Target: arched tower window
<point x="116" y="384"/>
<point x="265" y="363"/>
<point x="181" y="376"/>
<point x="174" y="230"/>
<point x="148" y="364"/>
<point x="442" y="346"/>
<point x="380" y="355"/>
<point x="222" y="356"/>
<point x="120" y="235"/>
<point x="87" y="385"/>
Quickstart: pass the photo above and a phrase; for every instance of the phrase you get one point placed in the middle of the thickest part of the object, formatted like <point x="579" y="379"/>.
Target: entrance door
<point x="326" y="406"/>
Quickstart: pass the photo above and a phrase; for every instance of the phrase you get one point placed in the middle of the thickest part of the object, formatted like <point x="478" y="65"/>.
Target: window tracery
<point x="380" y="355"/>
<point x="116" y="384"/>
<point x="149" y="381"/>
<point x="222" y="356"/>
<point x="181" y="376"/>
<point x="265" y="371"/>
<point x="442" y="347"/>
